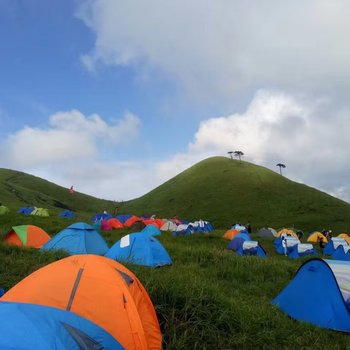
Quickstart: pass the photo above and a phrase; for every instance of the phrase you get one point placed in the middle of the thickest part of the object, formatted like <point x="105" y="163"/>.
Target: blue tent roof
<point x="187" y="230"/>
<point x="316" y="294"/>
<point x="66" y="214"/>
<point x="27" y="326"/>
<point x="140" y="249"/>
<point x="291" y="242"/>
<point x="26" y="211"/>
<point x="123" y="218"/>
<point x="333" y="244"/>
<point x="340" y="254"/>
<point x="78" y="238"/>
<point x="101" y="216"/>
<point x="295" y="253"/>
<point x="255" y="250"/>
<point x="152" y="230"/>
<point x="237" y="241"/>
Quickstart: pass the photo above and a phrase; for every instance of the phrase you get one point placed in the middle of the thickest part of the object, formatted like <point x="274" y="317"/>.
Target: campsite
<point x="207" y="296"/>
<point x="174" y="175"/>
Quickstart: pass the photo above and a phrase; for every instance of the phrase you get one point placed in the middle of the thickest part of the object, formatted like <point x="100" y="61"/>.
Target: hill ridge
<point x="227" y="191"/>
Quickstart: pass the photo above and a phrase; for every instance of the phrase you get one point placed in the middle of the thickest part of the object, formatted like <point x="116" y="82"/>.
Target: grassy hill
<point x="18" y="189"/>
<point x="209" y="298"/>
<point x="225" y="191"/>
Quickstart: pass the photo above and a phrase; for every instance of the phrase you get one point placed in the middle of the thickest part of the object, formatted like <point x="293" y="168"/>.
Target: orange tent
<point x="230" y="234"/>
<point x="99" y="289"/>
<point x="115" y="223"/>
<point x="27" y="236"/>
<point x="131" y="221"/>
<point x="156" y="222"/>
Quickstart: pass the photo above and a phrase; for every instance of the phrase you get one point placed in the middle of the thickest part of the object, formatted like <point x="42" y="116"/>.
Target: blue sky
<point x="42" y="73"/>
<point x="116" y="97"/>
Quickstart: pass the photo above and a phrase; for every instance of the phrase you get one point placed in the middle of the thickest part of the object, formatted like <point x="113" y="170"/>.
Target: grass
<point x="18" y="189"/>
<point x="225" y="191"/>
<point x="209" y="298"/>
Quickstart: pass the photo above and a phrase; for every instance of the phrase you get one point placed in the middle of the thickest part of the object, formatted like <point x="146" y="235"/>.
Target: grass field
<point x="208" y="299"/>
<point x="225" y="191"/>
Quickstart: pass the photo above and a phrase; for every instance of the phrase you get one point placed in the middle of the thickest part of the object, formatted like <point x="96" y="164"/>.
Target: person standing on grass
<point x="249" y="228"/>
<point x="284" y="245"/>
<point x="321" y="244"/>
<point x="330" y="234"/>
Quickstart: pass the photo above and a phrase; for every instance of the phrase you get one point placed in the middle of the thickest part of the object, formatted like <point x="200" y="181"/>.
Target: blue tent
<point x="300" y="250"/>
<point x="202" y="226"/>
<point x="67" y="214"/>
<point x="238" y="241"/>
<point x="251" y="248"/>
<point x="123" y="218"/>
<point x="152" y="230"/>
<point x="319" y="294"/>
<point x="27" y="326"/>
<point x="78" y="238"/>
<point x="101" y="216"/>
<point x="291" y="242"/>
<point x="26" y="211"/>
<point x="333" y="244"/>
<point x="342" y="253"/>
<point x="139" y="249"/>
<point x="183" y="230"/>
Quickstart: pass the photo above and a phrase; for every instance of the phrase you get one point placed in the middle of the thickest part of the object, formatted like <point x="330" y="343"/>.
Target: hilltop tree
<point x="239" y="154"/>
<point x="230" y="153"/>
<point x="280" y="165"/>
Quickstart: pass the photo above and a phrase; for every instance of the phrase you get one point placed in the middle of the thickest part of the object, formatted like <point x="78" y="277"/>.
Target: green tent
<point x="40" y="212"/>
<point x="3" y="210"/>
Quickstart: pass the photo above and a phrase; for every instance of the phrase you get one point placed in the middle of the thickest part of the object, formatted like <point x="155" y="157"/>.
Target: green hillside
<point x="18" y="189"/>
<point x="225" y="191"/>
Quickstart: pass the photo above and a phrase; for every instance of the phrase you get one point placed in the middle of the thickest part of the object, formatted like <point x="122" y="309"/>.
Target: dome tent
<point x="300" y="250"/>
<point x="238" y="241"/>
<point x="98" y="289"/>
<point x="251" y="248"/>
<point x="168" y="226"/>
<point x="316" y="236"/>
<point x="4" y="210"/>
<point x="301" y="298"/>
<point x="67" y="214"/>
<point x="78" y="238"/>
<point x="152" y="230"/>
<point x="342" y="253"/>
<point x="345" y="236"/>
<point x="27" y="326"/>
<point x="40" y="212"/>
<point x="140" y="249"/>
<point x="27" y="236"/>
<point x="333" y="244"/>
<point x="26" y="210"/>
<point x="230" y="234"/>
<point x="267" y="232"/>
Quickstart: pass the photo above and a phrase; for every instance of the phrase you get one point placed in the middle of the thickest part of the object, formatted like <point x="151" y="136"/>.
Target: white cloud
<point x="278" y="127"/>
<point x="69" y="136"/>
<point x="215" y="48"/>
<point x="311" y="138"/>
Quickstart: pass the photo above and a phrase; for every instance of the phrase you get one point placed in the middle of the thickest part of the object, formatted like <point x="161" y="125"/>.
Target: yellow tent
<point x="345" y="236"/>
<point x="315" y="236"/>
<point x="287" y="231"/>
